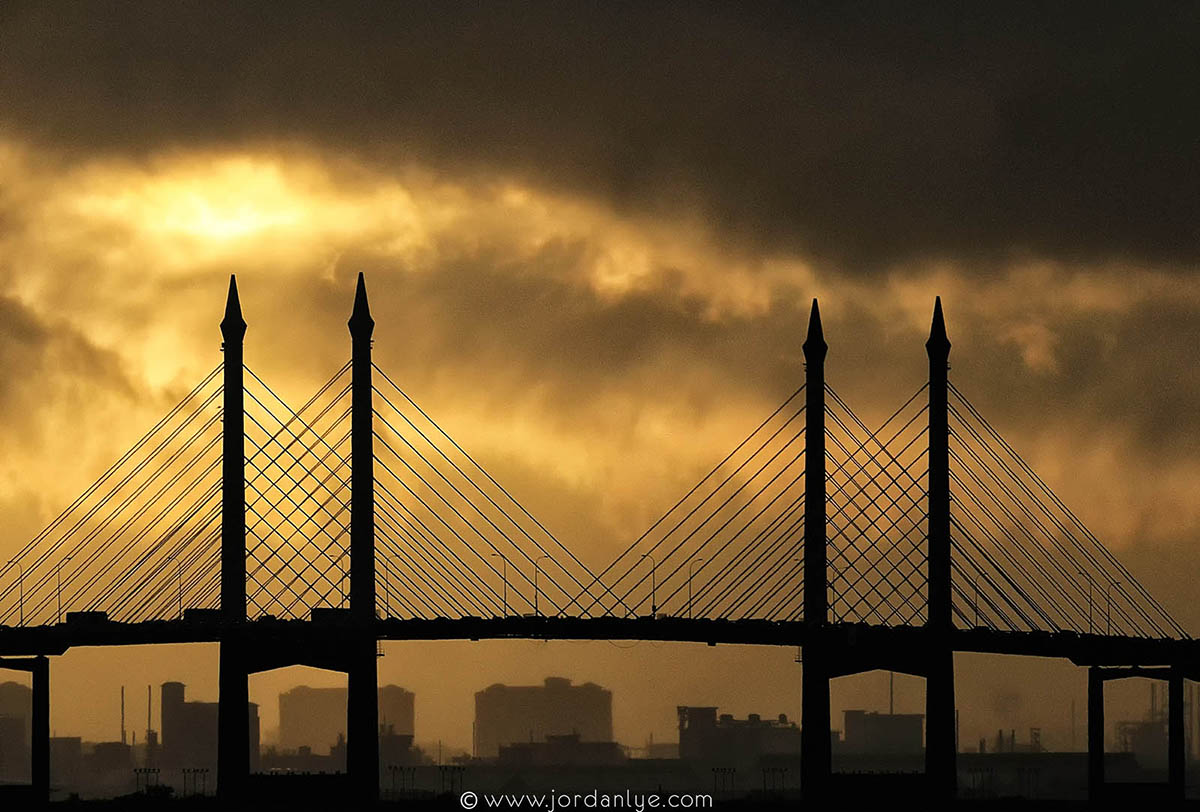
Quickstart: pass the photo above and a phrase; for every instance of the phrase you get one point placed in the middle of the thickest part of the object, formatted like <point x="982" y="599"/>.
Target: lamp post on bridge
<point x="833" y="571"/>
<point x="653" y="585"/>
<point x="1088" y="578"/>
<point x="691" y="572"/>
<point x="975" y="586"/>
<point x="58" y="572"/>
<point x="178" y="581"/>
<point x="536" y="568"/>
<point x="504" y="577"/>
<point x="1108" y="608"/>
<point x="20" y="590"/>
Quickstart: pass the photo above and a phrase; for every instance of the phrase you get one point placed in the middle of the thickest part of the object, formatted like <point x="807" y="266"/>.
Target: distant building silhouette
<point x="529" y="713"/>
<point x="316" y="717"/>
<point x="311" y="718"/>
<point x="91" y="769"/>
<point x="561" y="751"/>
<point x="1146" y="738"/>
<point x="189" y="731"/>
<point x="661" y="750"/>
<point x="108" y="761"/>
<point x="16" y="707"/>
<point x="14" y="749"/>
<point x="706" y="737"/>
<point x="396" y="749"/>
<point x="397" y="708"/>
<point x="883" y="733"/>
<point x="66" y="761"/>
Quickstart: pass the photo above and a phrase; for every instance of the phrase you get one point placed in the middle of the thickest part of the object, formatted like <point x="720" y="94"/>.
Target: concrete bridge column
<point x="233" y="721"/>
<point x="39" y="669"/>
<point x="1095" y="725"/>
<point x="233" y="745"/>
<point x="362" y="709"/>
<point x="40" y="719"/>
<point x="1176" y="754"/>
<point x="941" y="747"/>
<point x="816" y="758"/>
<point x="362" y="700"/>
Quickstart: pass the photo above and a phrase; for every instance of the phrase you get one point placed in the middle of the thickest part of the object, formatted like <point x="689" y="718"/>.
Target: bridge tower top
<point x="815" y="347"/>
<point x="361" y="324"/>
<point x="233" y="326"/>
<point x="938" y="344"/>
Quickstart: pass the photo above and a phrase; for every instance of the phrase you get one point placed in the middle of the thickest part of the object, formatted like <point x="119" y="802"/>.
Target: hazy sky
<point x="591" y="234"/>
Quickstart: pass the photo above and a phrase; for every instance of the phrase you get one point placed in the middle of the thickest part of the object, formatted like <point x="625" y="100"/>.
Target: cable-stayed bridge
<point x="302" y="534"/>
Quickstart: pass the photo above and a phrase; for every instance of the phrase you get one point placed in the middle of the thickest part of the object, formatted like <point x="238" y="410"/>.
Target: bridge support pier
<point x="1095" y="727"/>
<point x="941" y="745"/>
<point x="362" y="709"/>
<point x="1176" y="729"/>
<point x="39" y="669"/>
<point x="816" y="763"/>
<point x="1176" y="753"/>
<point x="233" y="722"/>
<point x="40" y="722"/>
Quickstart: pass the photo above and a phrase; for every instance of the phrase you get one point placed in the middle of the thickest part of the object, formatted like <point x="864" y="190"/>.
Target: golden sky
<point x="590" y="247"/>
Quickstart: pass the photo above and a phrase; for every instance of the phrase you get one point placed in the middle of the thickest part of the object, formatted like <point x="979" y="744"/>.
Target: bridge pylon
<point x="362" y="699"/>
<point x="816" y="751"/>
<point x="233" y="717"/>
<point x="941" y="743"/>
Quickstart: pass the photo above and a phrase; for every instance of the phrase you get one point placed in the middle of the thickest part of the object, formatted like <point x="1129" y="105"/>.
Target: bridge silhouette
<point x="303" y="536"/>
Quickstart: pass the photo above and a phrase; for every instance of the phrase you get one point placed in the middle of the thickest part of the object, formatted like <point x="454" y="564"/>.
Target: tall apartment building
<point x="316" y="717"/>
<point x="511" y="714"/>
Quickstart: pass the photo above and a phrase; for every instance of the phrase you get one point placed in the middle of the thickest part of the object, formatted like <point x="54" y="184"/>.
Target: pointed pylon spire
<point x="361" y="322"/>
<point x="814" y="344"/>
<point x="938" y="342"/>
<point x="233" y="326"/>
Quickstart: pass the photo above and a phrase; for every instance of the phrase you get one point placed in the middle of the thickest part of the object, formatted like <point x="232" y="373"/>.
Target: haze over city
<point x="592" y="236"/>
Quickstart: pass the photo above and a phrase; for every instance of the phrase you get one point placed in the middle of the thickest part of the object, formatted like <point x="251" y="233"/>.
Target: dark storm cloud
<point x="49" y="363"/>
<point x="537" y="321"/>
<point x="1135" y="371"/>
<point x="52" y="377"/>
<point x="862" y="135"/>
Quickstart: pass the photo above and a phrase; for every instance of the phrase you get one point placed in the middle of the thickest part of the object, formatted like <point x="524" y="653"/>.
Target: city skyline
<point x="888" y="739"/>
<point x="883" y="692"/>
<point x="594" y="239"/>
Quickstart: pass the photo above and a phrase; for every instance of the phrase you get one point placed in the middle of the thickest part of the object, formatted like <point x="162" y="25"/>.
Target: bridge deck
<point x="862" y="640"/>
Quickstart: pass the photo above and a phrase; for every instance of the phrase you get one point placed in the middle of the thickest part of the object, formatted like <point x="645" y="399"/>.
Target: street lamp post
<point x="690" y="573"/>
<point x="536" y="568"/>
<point x="387" y="588"/>
<point x="1108" y="608"/>
<point x="1089" y="583"/>
<point x="975" y="586"/>
<point x="20" y="590"/>
<point x="178" y="582"/>
<point x="835" y="572"/>
<point x="59" y="579"/>
<point x="653" y="585"/>
<point x="504" y="576"/>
